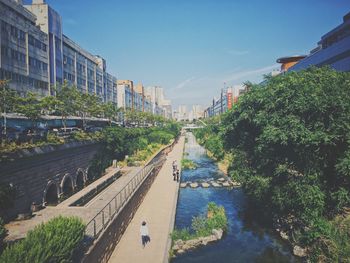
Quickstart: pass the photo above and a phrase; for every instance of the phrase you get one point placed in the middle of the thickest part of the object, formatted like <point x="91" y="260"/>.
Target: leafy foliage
<point x="54" y="241"/>
<point x="290" y="142"/>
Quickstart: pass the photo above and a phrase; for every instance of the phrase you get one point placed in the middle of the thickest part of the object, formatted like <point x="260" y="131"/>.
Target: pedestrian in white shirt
<point x="144" y="234"/>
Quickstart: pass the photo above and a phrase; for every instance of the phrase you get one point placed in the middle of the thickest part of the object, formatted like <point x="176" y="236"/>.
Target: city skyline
<point x="191" y="49"/>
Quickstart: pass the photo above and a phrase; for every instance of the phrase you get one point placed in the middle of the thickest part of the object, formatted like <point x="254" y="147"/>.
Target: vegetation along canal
<point x="245" y="240"/>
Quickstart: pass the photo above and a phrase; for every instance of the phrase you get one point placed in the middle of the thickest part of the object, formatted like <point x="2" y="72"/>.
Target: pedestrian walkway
<point x="158" y="210"/>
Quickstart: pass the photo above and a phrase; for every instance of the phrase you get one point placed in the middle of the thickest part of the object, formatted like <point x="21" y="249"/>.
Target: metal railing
<point x="95" y="227"/>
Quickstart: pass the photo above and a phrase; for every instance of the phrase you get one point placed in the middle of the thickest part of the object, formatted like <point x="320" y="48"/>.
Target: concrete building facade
<point x="24" y="50"/>
<point x="333" y="49"/>
<point x="36" y="55"/>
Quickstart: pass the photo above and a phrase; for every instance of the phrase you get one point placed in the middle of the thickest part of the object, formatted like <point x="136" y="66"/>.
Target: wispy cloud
<point x="249" y="73"/>
<point x="201" y="90"/>
<point x="184" y="83"/>
<point x="235" y="52"/>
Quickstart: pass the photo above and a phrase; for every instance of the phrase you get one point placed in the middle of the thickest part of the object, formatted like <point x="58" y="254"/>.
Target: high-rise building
<point x="24" y="50"/>
<point x="125" y="89"/>
<point x="182" y="113"/>
<point x="36" y="55"/>
<point x="197" y="111"/>
<point x="161" y="106"/>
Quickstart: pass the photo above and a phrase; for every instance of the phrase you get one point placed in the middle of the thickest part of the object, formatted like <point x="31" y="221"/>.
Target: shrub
<point x="187" y="164"/>
<point x="183" y="234"/>
<point x="332" y="242"/>
<point x="203" y="226"/>
<point x="54" y="241"/>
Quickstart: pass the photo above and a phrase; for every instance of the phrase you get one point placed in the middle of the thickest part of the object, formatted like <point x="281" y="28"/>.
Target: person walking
<point x="174" y="165"/>
<point x="144" y="234"/>
<point x="177" y="175"/>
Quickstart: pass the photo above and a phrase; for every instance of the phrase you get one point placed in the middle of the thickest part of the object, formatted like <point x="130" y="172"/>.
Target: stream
<point x="245" y="240"/>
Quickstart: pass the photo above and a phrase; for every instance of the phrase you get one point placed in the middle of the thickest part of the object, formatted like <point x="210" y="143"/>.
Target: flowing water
<point x="245" y="240"/>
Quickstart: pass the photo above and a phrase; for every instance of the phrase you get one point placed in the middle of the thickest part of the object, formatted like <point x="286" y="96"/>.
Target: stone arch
<point x="67" y="185"/>
<point x="89" y="176"/>
<point x="51" y="193"/>
<point x="80" y="179"/>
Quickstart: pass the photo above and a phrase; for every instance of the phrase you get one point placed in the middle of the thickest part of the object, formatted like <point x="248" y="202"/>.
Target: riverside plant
<point x="203" y="226"/>
<point x="188" y="164"/>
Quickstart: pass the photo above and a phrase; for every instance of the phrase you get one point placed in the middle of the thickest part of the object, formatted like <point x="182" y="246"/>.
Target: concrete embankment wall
<point x="32" y="172"/>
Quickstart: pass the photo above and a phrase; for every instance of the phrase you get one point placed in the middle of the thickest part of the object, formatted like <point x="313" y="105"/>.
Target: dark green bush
<point x="54" y="241"/>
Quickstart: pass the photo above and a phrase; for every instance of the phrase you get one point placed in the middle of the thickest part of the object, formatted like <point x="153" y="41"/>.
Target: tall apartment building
<point x="36" y="55"/>
<point x="182" y="113"/>
<point x="24" y="50"/>
<point x="125" y="90"/>
<point x="161" y="106"/>
<point x="197" y="111"/>
<point x="228" y="97"/>
<point x="333" y="49"/>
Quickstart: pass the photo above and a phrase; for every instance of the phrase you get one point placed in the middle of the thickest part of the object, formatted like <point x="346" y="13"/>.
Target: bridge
<point x="192" y="127"/>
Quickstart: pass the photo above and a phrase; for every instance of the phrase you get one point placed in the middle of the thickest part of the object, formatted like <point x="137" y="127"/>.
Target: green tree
<point x="49" y="104"/>
<point x="30" y="106"/>
<point x="87" y="105"/>
<point x="290" y="139"/>
<point x="110" y="111"/>
<point x="67" y="97"/>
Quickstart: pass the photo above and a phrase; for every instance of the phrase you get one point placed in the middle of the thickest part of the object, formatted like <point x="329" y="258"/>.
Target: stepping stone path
<point x="221" y="182"/>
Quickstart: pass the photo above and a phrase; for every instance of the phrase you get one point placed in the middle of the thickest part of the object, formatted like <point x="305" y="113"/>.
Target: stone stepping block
<point x="222" y="179"/>
<point x="205" y="185"/>
<point x="226" y="184"/>
<point x="183" y="185"/>
<point x="194" y="185"/>
<point x="215" y="184"/>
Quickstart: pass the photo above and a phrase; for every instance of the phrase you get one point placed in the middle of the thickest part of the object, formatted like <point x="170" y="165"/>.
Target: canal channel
<point x="245" y="240"/>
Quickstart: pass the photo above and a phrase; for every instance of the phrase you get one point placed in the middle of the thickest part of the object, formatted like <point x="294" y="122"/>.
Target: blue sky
<point x="191" y="47"/>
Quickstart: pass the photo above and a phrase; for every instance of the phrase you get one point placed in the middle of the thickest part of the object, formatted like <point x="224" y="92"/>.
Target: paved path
<point x="158" y="210"/>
